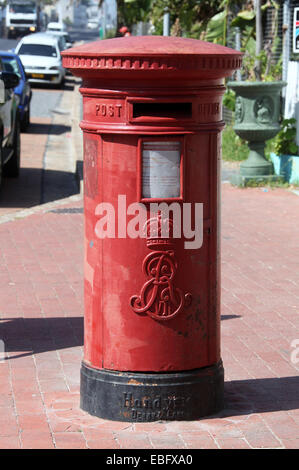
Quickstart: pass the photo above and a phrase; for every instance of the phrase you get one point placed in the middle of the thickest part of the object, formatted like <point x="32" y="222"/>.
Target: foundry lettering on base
<point x="148" y="408"/>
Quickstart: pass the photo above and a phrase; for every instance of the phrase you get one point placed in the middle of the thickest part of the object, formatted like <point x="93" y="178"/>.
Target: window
<point x="11" y="65"/>
<point x="38" y="49"/>
<point x="17" y="8"/>
<point x="62" y="44"/>
<point x="161" y="169"/>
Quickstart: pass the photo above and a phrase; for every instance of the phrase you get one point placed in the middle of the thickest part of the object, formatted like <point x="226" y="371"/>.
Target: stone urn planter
<point x="257" y="113"/>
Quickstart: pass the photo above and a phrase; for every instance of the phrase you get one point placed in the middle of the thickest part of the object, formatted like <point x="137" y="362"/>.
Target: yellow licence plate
<point x="37" y="75"/>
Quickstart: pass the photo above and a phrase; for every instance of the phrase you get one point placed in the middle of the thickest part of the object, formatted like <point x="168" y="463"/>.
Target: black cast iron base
<point x="144" y="397"/>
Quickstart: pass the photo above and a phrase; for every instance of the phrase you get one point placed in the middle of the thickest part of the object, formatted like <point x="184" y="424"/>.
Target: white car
<point x="64" y="37"/>
<point x="55" y="26"/>
<point x="92" y="24"/>
<point x="41" y="58"/>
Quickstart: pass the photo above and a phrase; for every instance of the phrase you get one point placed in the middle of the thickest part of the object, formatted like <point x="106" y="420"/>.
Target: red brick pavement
<point x="41" y="308"/>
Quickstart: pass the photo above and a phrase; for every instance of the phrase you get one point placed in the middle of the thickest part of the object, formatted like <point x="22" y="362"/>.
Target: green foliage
<point x="199" y="19"/>
<point x="229" y="99"/>
<point x="182" y="12"/>
<point x="270" y="184"/>
<point x="67" y="22"/>
<point x="192" y="15"/>
<point x="197" y="30"/>
<point x="233" y="147"/>
<point x="208" y="20"/>
<point x="110" y="33"/>
<point x="130" y="12"/>
<point x="284" y="142"/>
<point x="217" y="27"/>
<point x="215" y="31"/>
<point x="259" y="66"/>
<point x="270" y="71"/>
<point x="243" y="18"/>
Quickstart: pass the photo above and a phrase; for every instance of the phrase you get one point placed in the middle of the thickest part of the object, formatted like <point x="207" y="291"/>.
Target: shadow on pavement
<point x="36" y="186"/>
<point x="48" y="129"/>
<point x="68" y="85"/>
<point x="260" y="395"/>
<point x="26" y="336"/>
<point x="230" y="317"/>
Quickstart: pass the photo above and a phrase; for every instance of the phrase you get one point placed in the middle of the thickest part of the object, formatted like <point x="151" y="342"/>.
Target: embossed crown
<point x="159" y="233"/>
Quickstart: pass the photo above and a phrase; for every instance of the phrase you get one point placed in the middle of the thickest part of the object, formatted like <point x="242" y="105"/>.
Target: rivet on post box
<point x="152" y="121"/>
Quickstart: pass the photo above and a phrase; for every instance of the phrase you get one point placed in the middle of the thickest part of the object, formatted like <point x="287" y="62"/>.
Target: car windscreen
<point x="37" y="49"/>
<point x="11" y="65"/>
<point x="17" y="8"/>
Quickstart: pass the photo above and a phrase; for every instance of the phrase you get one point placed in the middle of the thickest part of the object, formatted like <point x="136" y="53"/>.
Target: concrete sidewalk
<point x="41" y="308"/>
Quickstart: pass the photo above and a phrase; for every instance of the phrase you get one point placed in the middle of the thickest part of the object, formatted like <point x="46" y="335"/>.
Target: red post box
<point x="152" y="121"/>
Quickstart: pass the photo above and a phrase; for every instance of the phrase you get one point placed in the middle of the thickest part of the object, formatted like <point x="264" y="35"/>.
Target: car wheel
<point x="26" y="120"/>
<point x="12" y="167"/>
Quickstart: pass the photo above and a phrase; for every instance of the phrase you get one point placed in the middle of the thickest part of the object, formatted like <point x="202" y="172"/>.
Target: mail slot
<point x="162" y="110"/>
<point x="152" y="122"/>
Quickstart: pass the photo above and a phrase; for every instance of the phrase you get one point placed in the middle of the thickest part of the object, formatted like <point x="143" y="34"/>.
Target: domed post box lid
<point x="152" y="57"/>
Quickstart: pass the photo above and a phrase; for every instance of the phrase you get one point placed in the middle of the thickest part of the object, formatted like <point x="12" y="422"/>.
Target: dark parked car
<point x="10" y="143"/>
<point x="12" y="63"/>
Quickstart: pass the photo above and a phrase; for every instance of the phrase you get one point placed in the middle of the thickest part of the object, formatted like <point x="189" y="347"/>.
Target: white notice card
<point x="161" y="169"/>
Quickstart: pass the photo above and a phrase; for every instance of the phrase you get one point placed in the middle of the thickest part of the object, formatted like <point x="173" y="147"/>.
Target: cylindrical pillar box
<point x="152" y="121"/>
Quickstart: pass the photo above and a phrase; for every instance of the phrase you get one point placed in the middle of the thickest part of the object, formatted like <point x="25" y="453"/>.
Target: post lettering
<point x="108" y="110"/>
